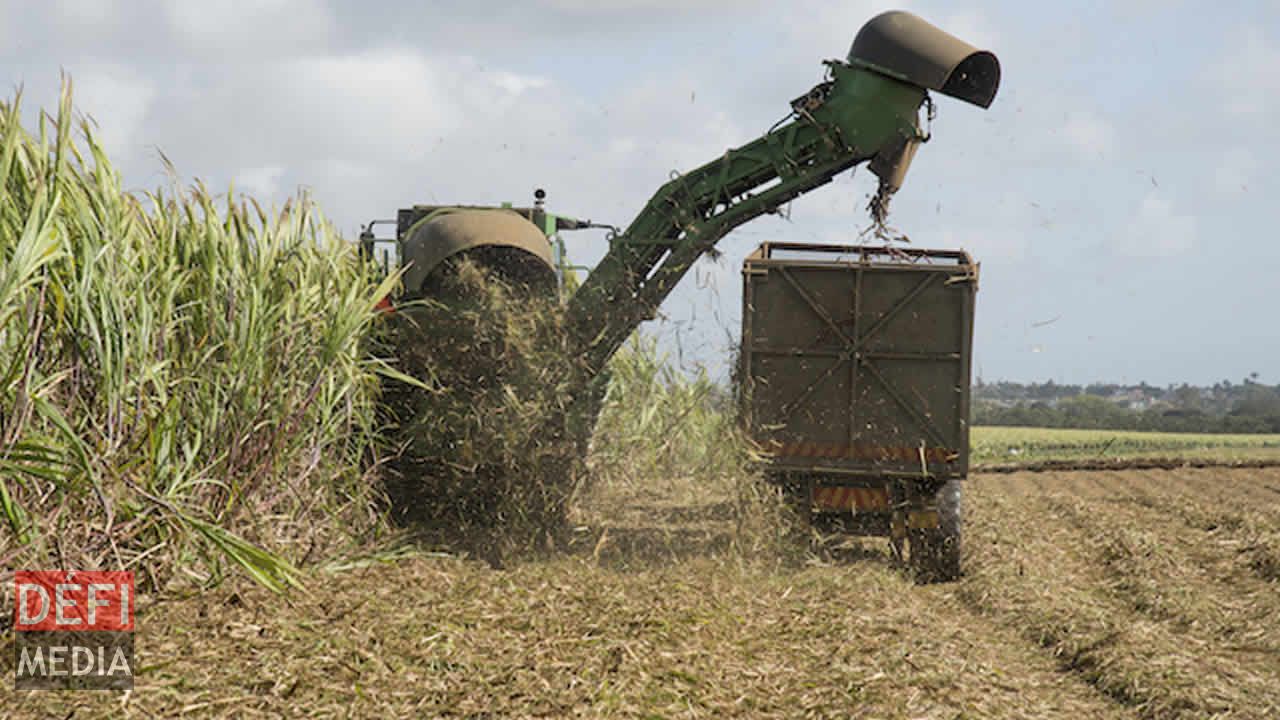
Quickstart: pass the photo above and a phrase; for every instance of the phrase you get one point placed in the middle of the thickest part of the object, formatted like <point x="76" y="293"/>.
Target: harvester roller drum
<point x="501" y="240"/>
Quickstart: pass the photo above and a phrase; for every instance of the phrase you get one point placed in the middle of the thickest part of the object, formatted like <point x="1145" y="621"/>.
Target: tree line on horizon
<point x="1224" y="407"/>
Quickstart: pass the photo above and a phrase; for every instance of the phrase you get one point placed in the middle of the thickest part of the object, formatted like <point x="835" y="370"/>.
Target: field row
<point x="1156" y="588"/>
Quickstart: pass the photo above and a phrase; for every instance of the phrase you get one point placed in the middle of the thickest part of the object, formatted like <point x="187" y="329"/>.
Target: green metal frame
<point x="855" y="116"/>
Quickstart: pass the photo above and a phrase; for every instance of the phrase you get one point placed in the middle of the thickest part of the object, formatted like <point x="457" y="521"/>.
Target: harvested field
<point x="1136" y="594"/>
<point x="993" y="444"/>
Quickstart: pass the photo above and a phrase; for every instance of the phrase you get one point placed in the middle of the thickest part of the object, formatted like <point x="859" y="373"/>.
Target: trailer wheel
<point x="935" y="552"/>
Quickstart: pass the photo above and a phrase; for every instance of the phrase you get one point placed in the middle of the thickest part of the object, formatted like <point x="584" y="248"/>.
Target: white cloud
<point x="86" y="12"/>
<point x="1250" y="76"/>
<point x="1235" y="170"/>
<point x="119" y="100"/>
<point x="260" y="181"/>
<point x="826" y="29"/>
<point x="658" y="125"/>
<point x="971" y="26"/>
<point x="378" y="98"/>
<point x="1157" y="229"/>
<point x="1002" y="227"/>
<point x="607" y="7"/>
<point x="235" y="30"/>
<point x="518" y="84"/>
<point x="365" y="129"/>
<point x="1086" y="132"/>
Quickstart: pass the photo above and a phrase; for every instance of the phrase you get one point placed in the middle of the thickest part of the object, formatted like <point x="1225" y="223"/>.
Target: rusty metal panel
<point x="856" y="360"/>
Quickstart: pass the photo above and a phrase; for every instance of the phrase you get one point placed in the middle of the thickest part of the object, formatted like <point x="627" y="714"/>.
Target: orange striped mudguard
<point x="839" y="498"/>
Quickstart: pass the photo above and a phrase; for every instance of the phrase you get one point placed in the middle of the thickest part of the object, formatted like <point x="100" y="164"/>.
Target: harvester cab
<point x="522" y="245"/>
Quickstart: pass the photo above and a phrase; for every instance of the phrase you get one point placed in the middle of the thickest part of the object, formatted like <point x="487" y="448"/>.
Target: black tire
<point x="935" y="552"/>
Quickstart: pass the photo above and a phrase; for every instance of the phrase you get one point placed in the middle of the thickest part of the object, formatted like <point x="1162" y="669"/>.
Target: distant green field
<point x="994" y="444"/>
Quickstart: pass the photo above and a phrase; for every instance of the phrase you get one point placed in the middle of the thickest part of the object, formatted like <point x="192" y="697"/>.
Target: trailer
<point x="855" y="379"/>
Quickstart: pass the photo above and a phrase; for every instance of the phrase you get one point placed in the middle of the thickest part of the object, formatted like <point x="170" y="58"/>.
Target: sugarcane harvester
<point x="867" y="109"/>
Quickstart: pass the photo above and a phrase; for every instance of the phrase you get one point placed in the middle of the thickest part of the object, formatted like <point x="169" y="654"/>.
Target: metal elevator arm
<point x="854" y="116"/>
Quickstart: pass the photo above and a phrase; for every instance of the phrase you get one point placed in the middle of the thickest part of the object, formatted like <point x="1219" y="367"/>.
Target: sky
<point x="1117" y="193"/>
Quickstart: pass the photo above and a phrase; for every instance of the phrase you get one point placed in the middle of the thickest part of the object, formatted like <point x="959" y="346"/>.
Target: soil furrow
<point x="1040" y="563"/>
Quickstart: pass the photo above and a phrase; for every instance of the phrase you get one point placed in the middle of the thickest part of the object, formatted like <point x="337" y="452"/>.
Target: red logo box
<point x="80" y="600"/>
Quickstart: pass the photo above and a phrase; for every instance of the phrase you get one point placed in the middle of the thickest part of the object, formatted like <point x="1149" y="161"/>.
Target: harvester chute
<point x="909" y="48"/>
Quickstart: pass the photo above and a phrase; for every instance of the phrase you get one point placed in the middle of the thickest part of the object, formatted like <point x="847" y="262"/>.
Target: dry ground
<point x="1137" y="594"/>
